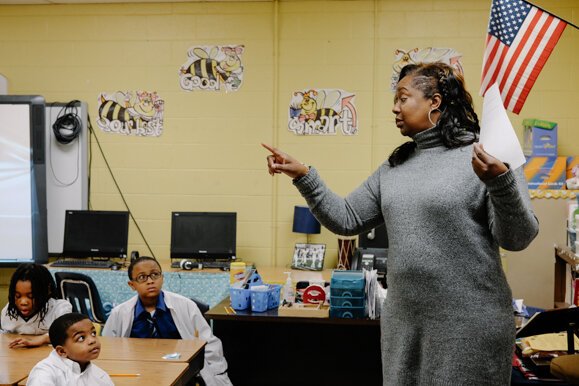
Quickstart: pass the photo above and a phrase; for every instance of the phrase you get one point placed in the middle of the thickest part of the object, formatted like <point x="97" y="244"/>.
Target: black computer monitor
<point x="23" y="234"/>
<point x="95" y="233"/>
<point x="203" y="235"/>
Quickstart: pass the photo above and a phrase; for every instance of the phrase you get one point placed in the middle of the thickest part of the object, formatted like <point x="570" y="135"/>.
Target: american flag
<point x="519" y="41"/>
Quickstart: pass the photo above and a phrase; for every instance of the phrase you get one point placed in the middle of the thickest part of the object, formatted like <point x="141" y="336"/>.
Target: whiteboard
<point x="66" y="173"/>
<point x="22" y="180"/>
<point x="15" y="205"/>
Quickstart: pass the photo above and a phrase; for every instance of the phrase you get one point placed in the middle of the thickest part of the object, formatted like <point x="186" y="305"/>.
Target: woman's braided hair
<point x="458" y="122"/>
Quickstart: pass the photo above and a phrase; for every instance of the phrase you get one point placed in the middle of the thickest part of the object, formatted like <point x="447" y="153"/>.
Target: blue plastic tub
<point x="347" y="312"/>
<point x="339" y="301"/>
<point x="259" y="300"/>
<point x="240" y="298"/>
<point x="348" y="284"/>
<point x="274" y="296"/>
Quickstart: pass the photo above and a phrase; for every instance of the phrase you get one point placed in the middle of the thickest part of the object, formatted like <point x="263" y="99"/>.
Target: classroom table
<point x="118" y="355"/>
<point x="14" y="371"/>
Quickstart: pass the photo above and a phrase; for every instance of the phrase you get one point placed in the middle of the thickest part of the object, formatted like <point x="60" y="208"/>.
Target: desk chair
<point x="81" y="291"/>
<point x="203" y="307"/>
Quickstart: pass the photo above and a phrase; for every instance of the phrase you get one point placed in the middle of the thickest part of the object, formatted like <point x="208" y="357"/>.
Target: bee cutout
<point x="423" y="55"/>
<point x="124" y="113"/>
<point x="213" y="67"/>
<point x="322" y="112"/>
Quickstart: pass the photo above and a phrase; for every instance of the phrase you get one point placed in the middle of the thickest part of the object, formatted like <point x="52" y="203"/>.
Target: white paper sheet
<point x="497" y="133"/>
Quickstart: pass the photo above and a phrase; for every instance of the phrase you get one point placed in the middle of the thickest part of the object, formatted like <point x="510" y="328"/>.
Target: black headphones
<point x="187" y="265"/>
<point x="67" y="125"/>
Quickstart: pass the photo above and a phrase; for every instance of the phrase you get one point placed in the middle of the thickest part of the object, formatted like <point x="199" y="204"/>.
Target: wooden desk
<point x="275" y="275"/>
<point x="152" y="350"/>
<point x="151" y="373"/>
<point x="118" y="355"/>
<point x="564" y="256"/>
<point x="136" y="349"/>
<point x="14" y="370"/>
<point x="267" y="349"/>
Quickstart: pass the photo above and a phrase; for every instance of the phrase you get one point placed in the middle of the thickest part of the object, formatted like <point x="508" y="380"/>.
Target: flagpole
<point x="551" y="13"/>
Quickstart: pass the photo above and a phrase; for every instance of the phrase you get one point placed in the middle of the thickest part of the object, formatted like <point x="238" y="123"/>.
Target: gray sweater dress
<point x="448" y="318"/>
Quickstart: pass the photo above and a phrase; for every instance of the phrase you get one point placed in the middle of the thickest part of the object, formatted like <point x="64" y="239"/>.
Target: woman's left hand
<point x="485" y="165"/>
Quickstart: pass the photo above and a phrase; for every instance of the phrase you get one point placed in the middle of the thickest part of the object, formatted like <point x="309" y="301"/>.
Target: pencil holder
<point x="259" y="300"/>
<point x="240" y="298"/>
<point x="274" y="295"/>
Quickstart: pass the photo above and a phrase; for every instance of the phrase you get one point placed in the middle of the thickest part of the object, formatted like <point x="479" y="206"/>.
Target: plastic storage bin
<point x="259" y="300"/>
<point x="347" y="312"/>
<point x="339" y="301"/>
<point x="274" y="293"/>
<point x="347" y="284"/>
<point x="240" y="298"/>
<point x="348" y="294"/>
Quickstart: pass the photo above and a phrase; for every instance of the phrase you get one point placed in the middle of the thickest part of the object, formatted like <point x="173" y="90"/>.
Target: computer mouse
<point x="115" y="267"/>
<point x="224" y="268"/>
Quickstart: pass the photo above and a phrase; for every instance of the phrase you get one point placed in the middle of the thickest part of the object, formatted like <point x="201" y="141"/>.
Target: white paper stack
<point x="371" y="290"/>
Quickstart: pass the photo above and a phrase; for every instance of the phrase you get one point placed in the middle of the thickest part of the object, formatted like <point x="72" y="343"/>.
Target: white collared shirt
<point x="58" y="371"/>
<point x="33" y="326"/>
<point x="188" y="319"/>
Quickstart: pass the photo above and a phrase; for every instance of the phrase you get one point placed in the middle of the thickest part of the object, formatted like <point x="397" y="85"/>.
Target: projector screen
<point x="22" y="180"/>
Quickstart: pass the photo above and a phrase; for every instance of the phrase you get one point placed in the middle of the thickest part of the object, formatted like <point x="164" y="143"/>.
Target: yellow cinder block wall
<point x="209" y="156"/>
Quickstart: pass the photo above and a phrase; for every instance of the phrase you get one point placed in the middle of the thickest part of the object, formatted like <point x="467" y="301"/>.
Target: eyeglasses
<point x="143" y="278"/>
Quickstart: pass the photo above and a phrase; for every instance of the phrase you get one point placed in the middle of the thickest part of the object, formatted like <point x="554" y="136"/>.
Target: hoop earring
<point x="430" y="118"/>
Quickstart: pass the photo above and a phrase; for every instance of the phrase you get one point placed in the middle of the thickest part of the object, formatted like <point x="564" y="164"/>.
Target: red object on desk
<point x="314" y="294"/>
<point x="527" y="373"/>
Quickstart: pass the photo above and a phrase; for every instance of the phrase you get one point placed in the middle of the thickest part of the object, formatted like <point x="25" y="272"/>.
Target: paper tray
<point x="304" y="311"/>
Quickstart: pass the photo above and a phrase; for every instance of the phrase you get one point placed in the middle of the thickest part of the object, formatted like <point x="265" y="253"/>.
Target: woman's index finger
<point x="272" y="149"/>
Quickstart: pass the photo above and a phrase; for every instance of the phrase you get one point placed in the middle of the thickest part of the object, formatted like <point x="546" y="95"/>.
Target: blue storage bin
<point x="347" y="284"/>
<point x="259" y="300"/>
<point x="339" y="301"/>
<point x="240" y="298"/>
<point x="274" y="296"/>
<point x="352" y="293"/>
<point x="348" y="312"/>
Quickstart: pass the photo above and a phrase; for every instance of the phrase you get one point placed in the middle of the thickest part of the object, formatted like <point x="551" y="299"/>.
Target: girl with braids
<point x="32" y="306"/>
<point x="448" y="207"/>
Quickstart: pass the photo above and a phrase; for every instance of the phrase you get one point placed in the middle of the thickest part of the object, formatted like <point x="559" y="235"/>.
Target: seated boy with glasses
<point x="155" y="313"/>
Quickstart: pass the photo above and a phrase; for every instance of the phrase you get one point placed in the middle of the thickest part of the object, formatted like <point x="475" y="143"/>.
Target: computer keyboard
<point x="82" y="263"/>
<point x="225" y="265"/>
<point x="216" y="264"/>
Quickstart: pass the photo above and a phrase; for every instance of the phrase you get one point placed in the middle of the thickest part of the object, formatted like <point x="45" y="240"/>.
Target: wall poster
<point x="423" y="55"/>
<point x="322" y="112"/>
<point x="212" y="68"/>
<point x="131" y="113"/>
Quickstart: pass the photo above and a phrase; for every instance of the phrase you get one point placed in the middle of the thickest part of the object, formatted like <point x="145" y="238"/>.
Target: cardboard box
<point x="304" y="310"/>
<point x="546" y="172"/>
<point x="539" y="138"/>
